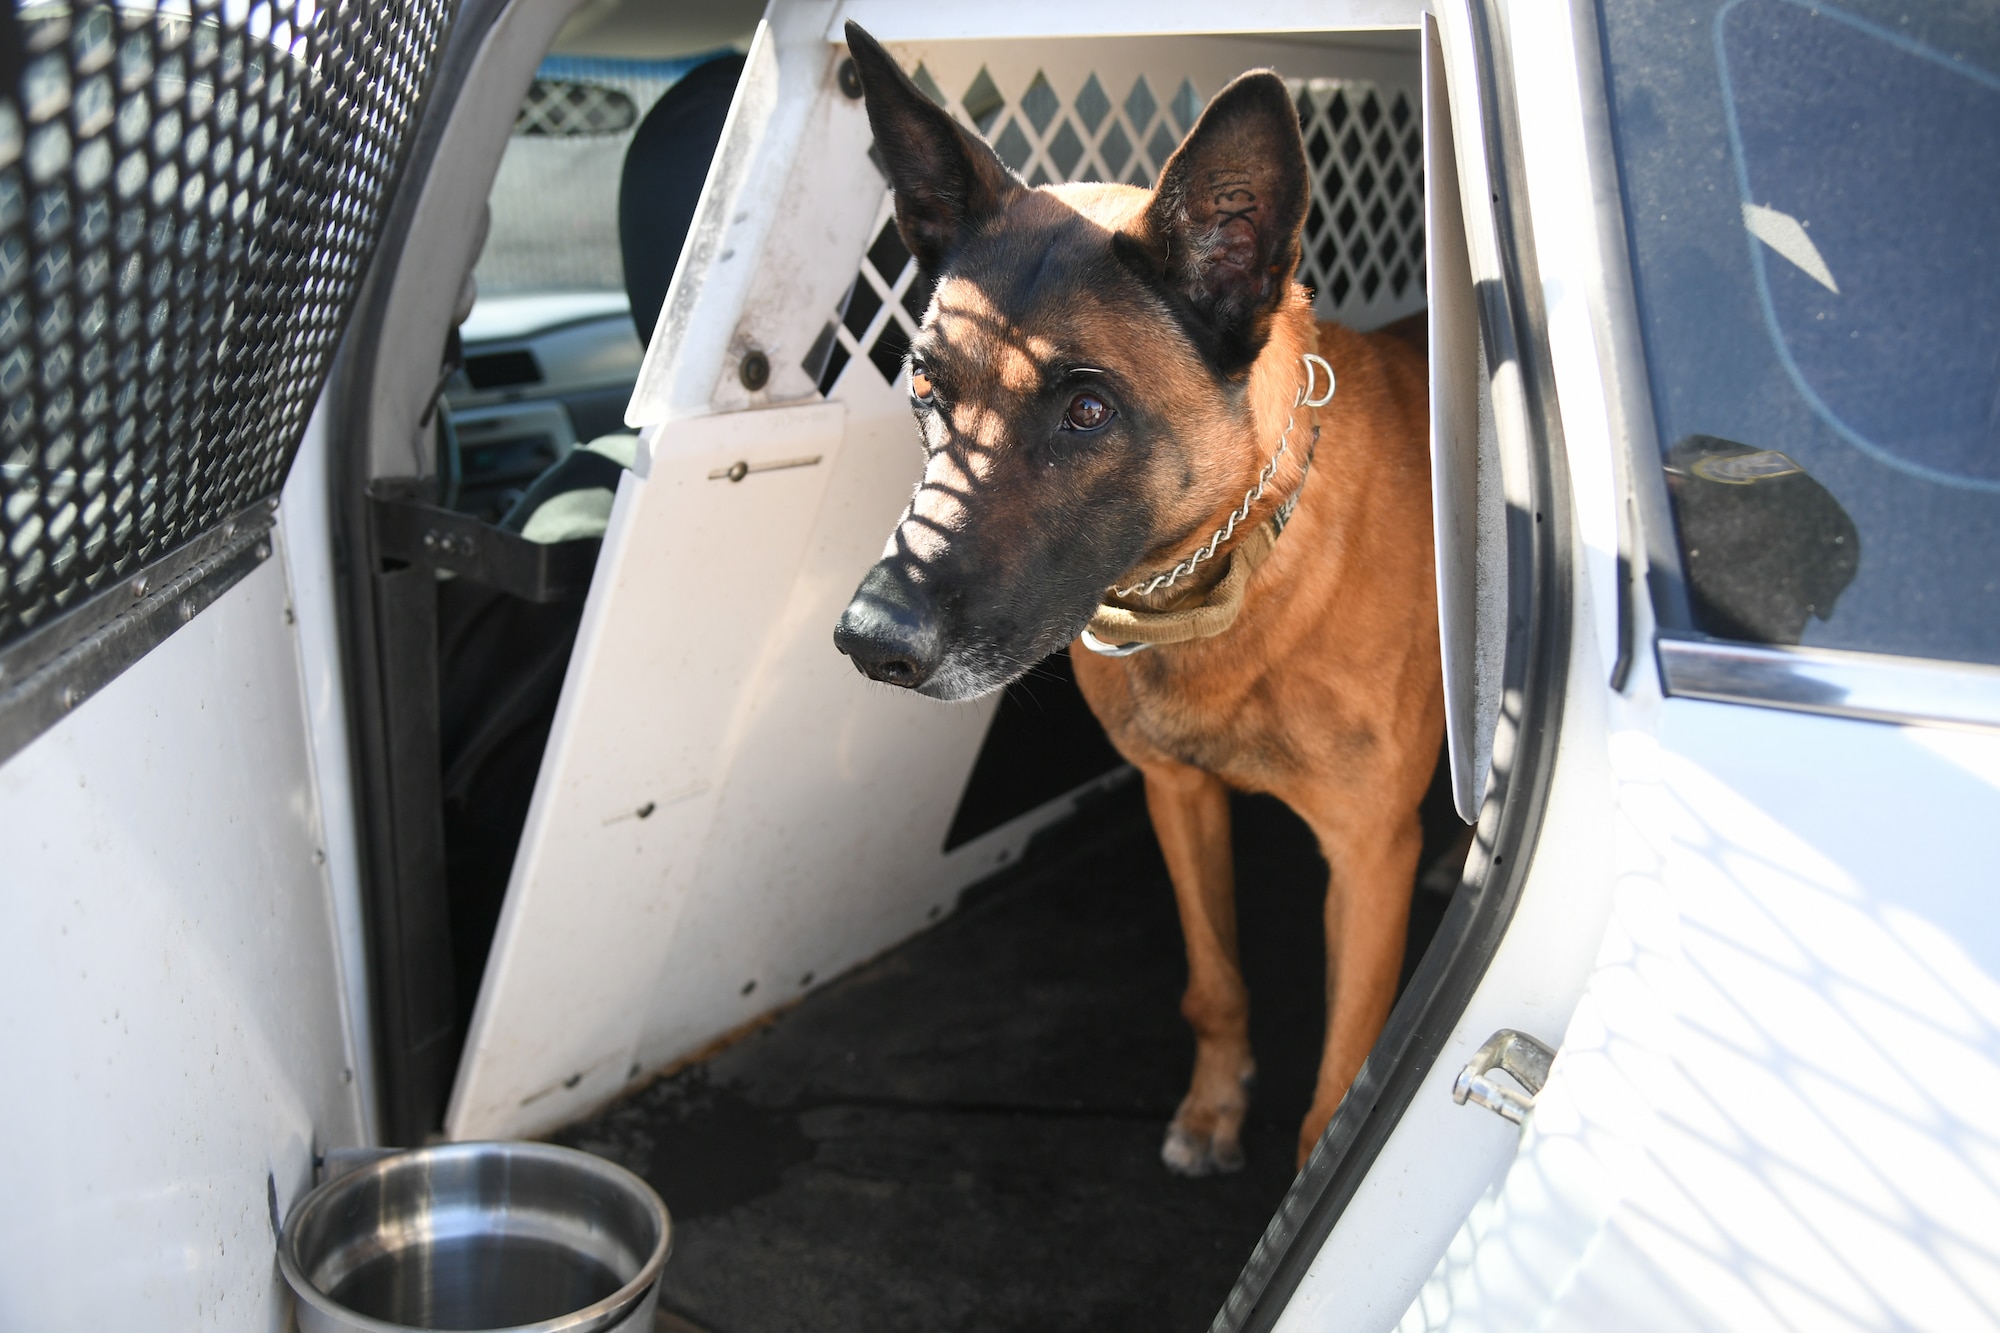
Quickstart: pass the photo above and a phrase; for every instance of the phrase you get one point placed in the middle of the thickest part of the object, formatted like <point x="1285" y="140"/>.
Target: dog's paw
<point x="1189" y="1154"/>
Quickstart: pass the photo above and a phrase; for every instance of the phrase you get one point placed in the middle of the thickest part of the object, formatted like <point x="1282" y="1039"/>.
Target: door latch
<point x="1521" y="1056"/>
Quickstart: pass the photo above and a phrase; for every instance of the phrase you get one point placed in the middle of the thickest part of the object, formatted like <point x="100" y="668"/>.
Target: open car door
<point x="189" y="201"/>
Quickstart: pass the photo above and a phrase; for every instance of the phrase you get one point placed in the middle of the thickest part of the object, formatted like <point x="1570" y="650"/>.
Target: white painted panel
<point x="1775" y="1107"/>
<point x="686" y="603"/>
<point x="306" y="519"/>
<point x="1466" y="509"/>
<point x="170" y="997"/>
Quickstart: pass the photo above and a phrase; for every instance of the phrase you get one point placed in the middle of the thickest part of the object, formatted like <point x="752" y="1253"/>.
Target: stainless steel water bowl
<point x="522" y="1237"/>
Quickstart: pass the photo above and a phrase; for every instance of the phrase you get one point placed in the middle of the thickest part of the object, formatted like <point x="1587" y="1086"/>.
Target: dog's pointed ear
<point x="947" y="180"/>
<point x="1224" y="224"/>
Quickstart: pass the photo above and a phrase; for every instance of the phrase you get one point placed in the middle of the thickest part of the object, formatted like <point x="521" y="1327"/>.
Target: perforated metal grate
<point x="187" y="203"/>
<point x="1363" y="240"/>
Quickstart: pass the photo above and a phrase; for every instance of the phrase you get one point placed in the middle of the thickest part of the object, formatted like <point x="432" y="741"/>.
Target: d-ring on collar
<point x="1314" y="364"/>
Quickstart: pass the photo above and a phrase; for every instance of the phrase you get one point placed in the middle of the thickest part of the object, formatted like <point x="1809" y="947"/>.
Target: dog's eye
<point x="920" y="382"/>
<point x="1086" y="412"/>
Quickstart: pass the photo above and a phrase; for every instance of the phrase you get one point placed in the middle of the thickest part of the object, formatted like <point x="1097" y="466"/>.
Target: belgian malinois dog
<point x="1115" y="391"/>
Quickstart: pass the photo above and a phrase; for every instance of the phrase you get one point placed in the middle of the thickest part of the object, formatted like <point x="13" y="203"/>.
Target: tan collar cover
<point x="1208" y="616"/>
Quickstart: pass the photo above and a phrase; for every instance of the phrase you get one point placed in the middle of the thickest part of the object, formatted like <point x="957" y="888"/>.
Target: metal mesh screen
<point x="187" y="203"/>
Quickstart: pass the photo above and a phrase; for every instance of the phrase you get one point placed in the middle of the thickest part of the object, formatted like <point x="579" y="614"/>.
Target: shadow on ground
<point x="965" y="1133"/>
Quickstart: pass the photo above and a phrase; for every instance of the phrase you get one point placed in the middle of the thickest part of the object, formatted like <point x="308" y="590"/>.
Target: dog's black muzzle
<point x="890" y="630"/>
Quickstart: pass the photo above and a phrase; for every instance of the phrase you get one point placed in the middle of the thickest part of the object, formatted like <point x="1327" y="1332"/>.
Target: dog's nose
<point x="890" y="630"/>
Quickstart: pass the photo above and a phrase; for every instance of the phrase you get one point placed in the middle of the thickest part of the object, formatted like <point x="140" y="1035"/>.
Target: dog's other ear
<point x="1225" y="218"/>
<point x="947" y="181"/>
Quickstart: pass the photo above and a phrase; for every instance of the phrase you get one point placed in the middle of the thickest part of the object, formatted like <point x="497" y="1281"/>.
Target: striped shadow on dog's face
<point x="1079" y="381"/>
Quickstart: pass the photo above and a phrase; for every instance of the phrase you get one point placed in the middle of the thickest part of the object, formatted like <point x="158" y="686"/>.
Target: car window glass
<point x="555" y="200"/>
<point x="1811" y="197"/>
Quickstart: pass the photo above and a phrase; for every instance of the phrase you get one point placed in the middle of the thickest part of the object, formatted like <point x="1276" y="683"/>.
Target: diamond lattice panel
<point x="1363" y="248"/>
<point x="187" y="202"/>
<point x="562" y="108"/>
<point x="1364" y="232"/>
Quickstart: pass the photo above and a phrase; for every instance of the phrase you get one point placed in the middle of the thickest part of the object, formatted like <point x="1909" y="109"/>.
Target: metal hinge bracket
<point x="1519" y="1055"/>
<point x="410" y="528"/>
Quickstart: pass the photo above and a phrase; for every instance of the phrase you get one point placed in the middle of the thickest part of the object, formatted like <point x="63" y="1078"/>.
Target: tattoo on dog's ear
<point x="947" y="180"/>
<point x="1228" y="211"/>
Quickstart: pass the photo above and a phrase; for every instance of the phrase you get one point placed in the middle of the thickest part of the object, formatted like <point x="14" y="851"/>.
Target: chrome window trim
<point x="1834" y="682"/>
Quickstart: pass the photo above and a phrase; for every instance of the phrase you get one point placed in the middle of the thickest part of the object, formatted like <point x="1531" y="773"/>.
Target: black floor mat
<point x="965" y="1133"/>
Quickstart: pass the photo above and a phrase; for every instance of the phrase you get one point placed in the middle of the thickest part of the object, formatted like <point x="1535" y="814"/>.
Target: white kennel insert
<point x="727" y="814"/>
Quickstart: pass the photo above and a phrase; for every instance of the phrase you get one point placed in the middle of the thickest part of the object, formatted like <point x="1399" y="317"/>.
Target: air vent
<point x="502" y="370"/>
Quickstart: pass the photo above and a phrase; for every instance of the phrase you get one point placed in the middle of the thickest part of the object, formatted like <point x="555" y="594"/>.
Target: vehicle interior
<point x="948" y="1114"/>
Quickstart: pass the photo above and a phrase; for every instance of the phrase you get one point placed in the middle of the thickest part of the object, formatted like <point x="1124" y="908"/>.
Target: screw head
<point x="849" y="78"/>
<point x="738" y="470"/>
<point x="754" y="370"/>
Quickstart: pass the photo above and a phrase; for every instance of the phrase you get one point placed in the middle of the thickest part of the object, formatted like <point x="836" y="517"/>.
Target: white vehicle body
<point x="1743" y="891"/>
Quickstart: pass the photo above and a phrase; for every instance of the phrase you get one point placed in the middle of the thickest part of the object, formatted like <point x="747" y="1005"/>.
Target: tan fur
<point x="1325" y="693"/>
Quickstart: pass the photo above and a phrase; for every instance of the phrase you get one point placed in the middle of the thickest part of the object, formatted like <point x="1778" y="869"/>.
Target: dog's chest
<point x="1232" y="727"/>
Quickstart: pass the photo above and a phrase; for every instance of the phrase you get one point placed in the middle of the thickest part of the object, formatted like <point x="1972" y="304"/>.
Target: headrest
<point x="665" y="167"/>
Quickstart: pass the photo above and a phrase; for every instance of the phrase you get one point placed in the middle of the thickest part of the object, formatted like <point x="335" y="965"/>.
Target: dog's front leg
<point x="1367" y="920"/>
<point x="1190" y="811"/>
